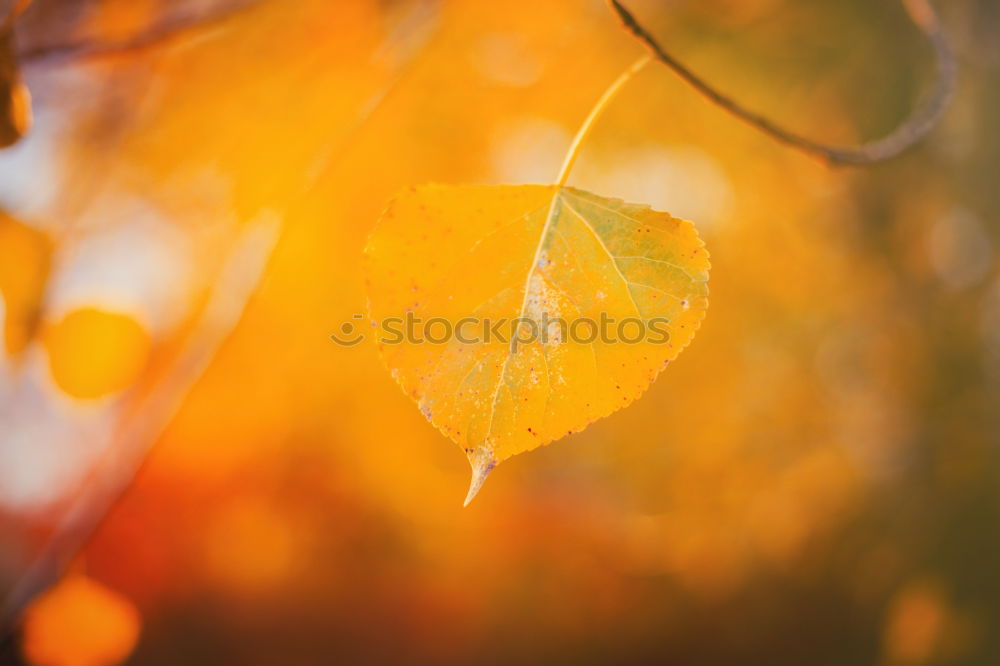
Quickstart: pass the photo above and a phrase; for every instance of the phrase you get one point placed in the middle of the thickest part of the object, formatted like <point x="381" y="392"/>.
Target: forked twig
<point x="907" y="134"/>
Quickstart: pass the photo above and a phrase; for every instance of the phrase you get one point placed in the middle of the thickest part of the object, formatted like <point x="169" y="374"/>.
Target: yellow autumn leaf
<point x="628" y="282"/>
<point x="25" y="260"/>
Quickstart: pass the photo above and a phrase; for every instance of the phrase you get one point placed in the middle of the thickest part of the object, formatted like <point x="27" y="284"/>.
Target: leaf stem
<point x="602" y="103"/>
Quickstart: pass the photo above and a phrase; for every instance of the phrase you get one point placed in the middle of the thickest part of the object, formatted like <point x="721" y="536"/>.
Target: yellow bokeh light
<point x="80" y="623"/>
<point x="93" y="353"/>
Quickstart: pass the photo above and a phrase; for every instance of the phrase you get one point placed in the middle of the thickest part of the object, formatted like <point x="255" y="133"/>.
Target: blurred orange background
<point x="813" y="481"/>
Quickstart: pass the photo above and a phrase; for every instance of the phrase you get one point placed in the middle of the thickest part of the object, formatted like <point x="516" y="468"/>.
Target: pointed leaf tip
<point x="482" y="462"/>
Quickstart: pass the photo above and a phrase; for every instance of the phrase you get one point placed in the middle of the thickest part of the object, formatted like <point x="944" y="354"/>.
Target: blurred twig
<point x="17" y="7"/>
<point x="907" y="134"/>
<point x="158" y="35"/>
<point x="232" y="288"/>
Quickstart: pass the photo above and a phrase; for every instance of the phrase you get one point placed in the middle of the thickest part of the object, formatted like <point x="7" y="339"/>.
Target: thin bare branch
<point x="906" y="135"/>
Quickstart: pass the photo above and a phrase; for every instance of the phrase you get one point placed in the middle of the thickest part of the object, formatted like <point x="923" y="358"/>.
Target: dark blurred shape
<point x="15" y="101"/>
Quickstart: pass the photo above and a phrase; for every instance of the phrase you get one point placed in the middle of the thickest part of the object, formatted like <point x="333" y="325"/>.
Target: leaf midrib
<point x="551" y="217"/>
